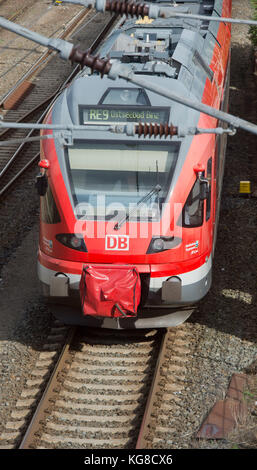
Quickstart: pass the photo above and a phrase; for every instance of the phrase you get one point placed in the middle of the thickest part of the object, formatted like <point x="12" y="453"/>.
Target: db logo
<point x="116" y="242"/>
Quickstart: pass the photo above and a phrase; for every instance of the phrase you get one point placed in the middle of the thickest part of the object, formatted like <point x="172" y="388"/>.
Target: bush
<point x="253" y="29"/>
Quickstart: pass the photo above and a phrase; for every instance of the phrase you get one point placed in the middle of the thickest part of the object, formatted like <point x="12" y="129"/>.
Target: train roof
<point x="174" y="53"/>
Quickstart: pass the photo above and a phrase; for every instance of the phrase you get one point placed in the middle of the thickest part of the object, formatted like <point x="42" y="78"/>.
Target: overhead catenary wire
<point x="6" y="143"/>
<point x="38" y="63"/>
<point x="17" y="157"/>
<point x="119" y="70"/>
<point x="130" y="129"/>
<point x="153" y="11"/>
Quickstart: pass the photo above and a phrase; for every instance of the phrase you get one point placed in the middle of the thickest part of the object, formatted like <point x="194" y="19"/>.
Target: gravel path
<point x="223" y="328"/>
<point x="226" y="319"/>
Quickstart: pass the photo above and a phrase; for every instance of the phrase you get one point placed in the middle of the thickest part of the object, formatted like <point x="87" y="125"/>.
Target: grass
<point x="253" y="29"/>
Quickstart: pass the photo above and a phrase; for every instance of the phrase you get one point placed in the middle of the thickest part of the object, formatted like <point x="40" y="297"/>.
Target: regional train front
<point x="127" y="222"/>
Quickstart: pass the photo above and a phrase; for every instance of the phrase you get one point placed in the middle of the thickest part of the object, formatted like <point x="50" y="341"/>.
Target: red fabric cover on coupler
<point x="110" y="291"/>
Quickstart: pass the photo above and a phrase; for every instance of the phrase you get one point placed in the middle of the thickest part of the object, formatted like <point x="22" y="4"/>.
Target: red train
<point x="127" y="223"/>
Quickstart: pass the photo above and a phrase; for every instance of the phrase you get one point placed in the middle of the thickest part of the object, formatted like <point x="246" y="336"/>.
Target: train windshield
<point x="110" y="179"/>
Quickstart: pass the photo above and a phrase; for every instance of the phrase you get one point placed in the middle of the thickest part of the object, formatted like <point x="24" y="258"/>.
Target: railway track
<point x="12" y="16"/>
<point x="109" y="385"/>
<point x="44" y="18"/>
<point x="107" y="390"/>
<point x="47" y="78"/>
<point x="214" y="344"/>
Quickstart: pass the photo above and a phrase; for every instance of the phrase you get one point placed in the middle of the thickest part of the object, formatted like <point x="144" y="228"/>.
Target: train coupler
<point x="110" y="291"/>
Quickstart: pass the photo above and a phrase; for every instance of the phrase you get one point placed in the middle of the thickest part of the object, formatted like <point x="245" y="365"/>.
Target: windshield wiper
<point x="145" y="198"/>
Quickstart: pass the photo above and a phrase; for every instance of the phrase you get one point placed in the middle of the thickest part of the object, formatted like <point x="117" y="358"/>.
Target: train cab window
<point x="192" y="214"/>
<point x="48" y="209"/>
<point x="209" y="178"/>
<point x="108" y="177"/>
<point x="125" y="96"/>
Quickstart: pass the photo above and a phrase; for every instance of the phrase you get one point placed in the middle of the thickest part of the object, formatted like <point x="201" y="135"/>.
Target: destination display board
<point x="123" y="114"/>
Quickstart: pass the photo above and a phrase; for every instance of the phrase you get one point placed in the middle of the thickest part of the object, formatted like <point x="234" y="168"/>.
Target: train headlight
<point x="163" y="243"/>
<point x="158" y="244"/>
<point x="72" y="241"/>
<point x="76" y="242"/>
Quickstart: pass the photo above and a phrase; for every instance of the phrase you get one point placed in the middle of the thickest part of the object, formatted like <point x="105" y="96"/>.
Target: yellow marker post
<point x="245" y="187"/>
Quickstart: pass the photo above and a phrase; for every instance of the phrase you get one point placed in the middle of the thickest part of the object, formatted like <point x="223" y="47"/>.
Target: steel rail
<point x="45" y="56"/>
<point x="119" y="70"/>
<point x="147" y="421"/>
<point x="71" y="76"/>
<point x="47" y="403"/>
<point x="152" y="10"/>
<point x="76" y="69"/>
<point x="14" y="15"/>
<point x="19" y="149"/>
<point x="29" y="113"/>
<point x="20" y="173"/>
<point x="49" y="392"/>
<point x="42" y="59"/>
<point x="33" y="70"/>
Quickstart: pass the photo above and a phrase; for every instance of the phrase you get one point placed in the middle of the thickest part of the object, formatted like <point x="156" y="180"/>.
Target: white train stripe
<point x="191" y="277"/>
<point x="196" y="275"/>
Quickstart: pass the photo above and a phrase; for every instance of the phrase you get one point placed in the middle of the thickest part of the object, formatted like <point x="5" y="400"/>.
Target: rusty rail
<point x="147" y="425"/>
<point x="48" y="101"/>
<point x="37" y="429"/>
<point x="49" y="392"/>
<point x="18" y="91"/>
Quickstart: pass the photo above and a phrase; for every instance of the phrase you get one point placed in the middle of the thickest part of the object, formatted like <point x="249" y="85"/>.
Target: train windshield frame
<point x="107" y="178"/>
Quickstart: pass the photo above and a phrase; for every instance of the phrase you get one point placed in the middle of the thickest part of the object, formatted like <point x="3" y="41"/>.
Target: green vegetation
<point x="253" y="29"/>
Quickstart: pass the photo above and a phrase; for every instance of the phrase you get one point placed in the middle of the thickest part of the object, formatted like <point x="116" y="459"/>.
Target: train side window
<point x="209" y="178"/>
<point x="192" y="214"/>
<point x="49" y="211"/>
